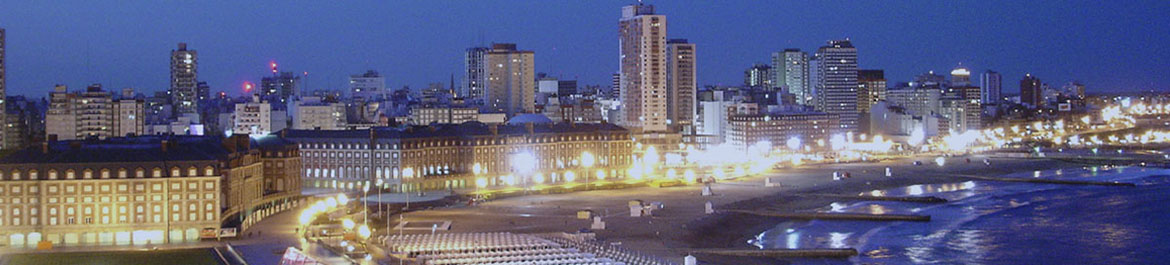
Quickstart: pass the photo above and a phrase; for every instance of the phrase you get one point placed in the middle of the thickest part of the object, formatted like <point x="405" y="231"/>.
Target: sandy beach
<point x="682" y="225"/>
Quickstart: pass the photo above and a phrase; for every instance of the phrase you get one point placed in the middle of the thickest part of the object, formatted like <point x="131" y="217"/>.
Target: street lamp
<point x="587" y="160"/>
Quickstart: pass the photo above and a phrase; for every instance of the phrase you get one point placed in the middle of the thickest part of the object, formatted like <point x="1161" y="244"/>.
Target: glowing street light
<point x="342" y="199"/>
<point x="363" y="231"/>
<point x="793" y="143"/>
<point x="587" y="159"/>
<point x="348" y="224"/>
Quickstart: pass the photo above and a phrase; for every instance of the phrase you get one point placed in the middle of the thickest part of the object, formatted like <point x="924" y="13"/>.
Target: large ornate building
<point x="461" y="156"/>
<point x="139" y="190"/>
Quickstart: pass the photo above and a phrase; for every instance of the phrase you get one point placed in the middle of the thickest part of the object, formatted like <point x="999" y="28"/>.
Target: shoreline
<point x="683" y="225"/>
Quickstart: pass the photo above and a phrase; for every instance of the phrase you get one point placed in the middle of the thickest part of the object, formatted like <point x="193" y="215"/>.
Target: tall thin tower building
<point x="992" y="88"/>
<point x="3" y="89"/>
<point x="511" y="80"/>
<point x="184" y="86"/>
<point x="791" y="69"/>
<point x="837" y="86"/>
<point x="475" y="75"/>
<point x="643" y="68"/>
<point x="680" y="84"/>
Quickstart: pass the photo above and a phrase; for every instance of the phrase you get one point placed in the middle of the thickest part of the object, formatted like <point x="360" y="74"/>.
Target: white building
<point x="257" y="117"/>
<point x="92" y="113"/>
<point x="368" y="83"/>
<point x="475" y="77"/>
<point x="428" y="115"/>
<point x="185" y="124"/>
<point x="898" y="125"/>
<point x="643" y="69"/>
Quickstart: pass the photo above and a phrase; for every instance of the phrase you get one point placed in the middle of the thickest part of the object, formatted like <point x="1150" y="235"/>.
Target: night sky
<point x="1107" y="46"/>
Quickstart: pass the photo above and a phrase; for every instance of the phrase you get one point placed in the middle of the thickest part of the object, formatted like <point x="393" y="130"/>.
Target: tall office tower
<point x="871" y="86"/>
<point x="1031" y="91"/>
<point x="184" y="85"/>
<point x="837" y="87"/>
<point x="759" y="75"/>
<point x="3" y="90"/>
<point x="960" y="77"/>
<point x="680" y="84"/>
<point x="279" y="87"/>
<point x="615" y="88"/>
<point x="475" y="78"/>
<point x="369" y="82"/>
<point x="511" y="82"/>
<point x="992" y="88"/>
<point x="643" y="65"/>
<point x="791" y="71"/>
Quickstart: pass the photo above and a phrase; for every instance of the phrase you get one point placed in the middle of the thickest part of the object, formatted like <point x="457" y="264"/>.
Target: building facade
<point x="315" y="113"/>
<point x="871" y="86"/>
<point x="992" y="87"/>
<point x="475" y="77"/>
<point x="681" y="85"/>
<point x="93" y="113"/>
<point x="643" y="69"/>
<point x="133" y="191"/>
<point x="458" y="156"/>
<point x="745" y="130"/>
<point x="1031" y="91"/>
<point x="836" y="89"/>
<point x="280" y="87"/>
<point x="759" y="76"/>
<point x="511" y="80"/>
<point x="3" y="87"/>
<point x="184" y="83"/>
<point x="791" y="68"/>
<point x="448" y="115"/>
<point x="369" y="82"/>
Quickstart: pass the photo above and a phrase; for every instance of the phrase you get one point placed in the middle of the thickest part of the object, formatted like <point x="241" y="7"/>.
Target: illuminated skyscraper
<point x="511" y="84"/>
<point x="791" y="68"/>
<point x="475" y="76"/>
<point x="643" y="68"/>
<point x="837" y="86"/>
<point x="759" y="75"/>
<point x="184" y="85"/>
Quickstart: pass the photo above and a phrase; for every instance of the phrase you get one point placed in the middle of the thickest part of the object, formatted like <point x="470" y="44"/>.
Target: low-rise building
<point x="748" y="129"/>
<point x="134" y="190"/>
<point x="459" y="156"/>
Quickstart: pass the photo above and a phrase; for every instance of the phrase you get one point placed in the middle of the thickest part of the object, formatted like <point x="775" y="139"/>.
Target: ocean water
<point x="988" y="222"/>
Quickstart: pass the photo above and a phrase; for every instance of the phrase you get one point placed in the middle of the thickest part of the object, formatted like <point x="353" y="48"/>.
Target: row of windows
<point x="104" y="173"/>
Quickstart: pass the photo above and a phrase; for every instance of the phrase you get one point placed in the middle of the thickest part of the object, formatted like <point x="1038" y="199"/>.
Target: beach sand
<point x="682" y="225"/>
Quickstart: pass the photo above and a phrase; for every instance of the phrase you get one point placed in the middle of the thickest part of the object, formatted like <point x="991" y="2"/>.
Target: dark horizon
<point x="128" y="44"/>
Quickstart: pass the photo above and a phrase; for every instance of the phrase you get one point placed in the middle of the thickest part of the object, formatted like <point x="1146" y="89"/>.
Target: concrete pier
<point x="839" y="216"/>
<point x="782" y="253"/>
<point x="1052" y="181"/>
<point x="927" y="199"/>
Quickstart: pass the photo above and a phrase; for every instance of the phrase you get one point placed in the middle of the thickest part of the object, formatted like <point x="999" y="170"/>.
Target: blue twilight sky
<point x="1107" y="45"/>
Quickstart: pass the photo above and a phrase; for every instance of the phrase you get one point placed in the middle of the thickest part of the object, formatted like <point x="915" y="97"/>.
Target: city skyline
<point x="67" y="51"/>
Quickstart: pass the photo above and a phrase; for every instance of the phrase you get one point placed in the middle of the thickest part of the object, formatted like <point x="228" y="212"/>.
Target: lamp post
<point x="587" y="161"/>
<point x="523" y="163"/>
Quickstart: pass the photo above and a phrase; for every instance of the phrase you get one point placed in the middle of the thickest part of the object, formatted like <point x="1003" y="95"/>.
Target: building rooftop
<point x="122" y="149"/>
<point x="463" y="130"/>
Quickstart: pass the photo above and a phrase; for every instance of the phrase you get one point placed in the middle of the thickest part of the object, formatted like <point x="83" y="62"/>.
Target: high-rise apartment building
<point x="1031" y="91"/>
<point x="791" y="68"/>
<point x="992" y="87"/>
<point x="93" y="113"/>
<point x="511" y="80"/>
<point x="3" y="87"/>
<point x="475" y="78"/>
<point x="184" y="85"/>
<point x="643" y="68"/>
<point x="960" y="77"/>
<point x="837" y="87"/>
<point x="871" y="86"/>
<point x="680" y="84"/>
<point x="759" y="76"/>
<point x="280" y="87"/>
